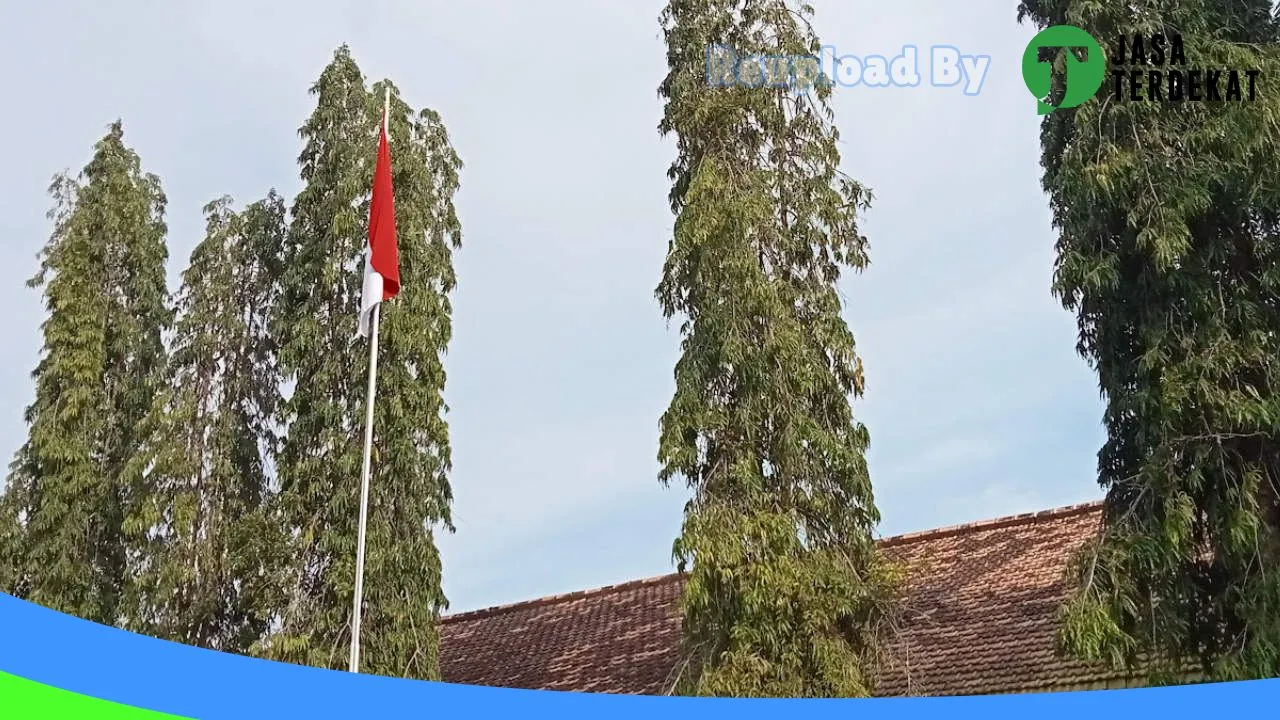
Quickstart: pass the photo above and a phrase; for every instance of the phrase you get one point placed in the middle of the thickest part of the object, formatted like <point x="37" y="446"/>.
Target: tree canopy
<point x="787" y="595"/>
<point x="1167" y="252"/>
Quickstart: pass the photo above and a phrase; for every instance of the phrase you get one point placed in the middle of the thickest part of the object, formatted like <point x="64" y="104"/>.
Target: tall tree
<point x="203" y="545"/>
<point x="321" y="458"/>
<point x="1169" y="220"/>
<point x="787" y="595"/>
<point x="103" y="278"/>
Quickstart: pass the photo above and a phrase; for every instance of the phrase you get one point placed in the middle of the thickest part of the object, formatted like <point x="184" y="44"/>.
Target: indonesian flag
<point x="382" y="265"/>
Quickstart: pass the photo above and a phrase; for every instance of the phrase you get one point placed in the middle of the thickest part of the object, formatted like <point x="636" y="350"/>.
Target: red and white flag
<point x="382" y="265"/>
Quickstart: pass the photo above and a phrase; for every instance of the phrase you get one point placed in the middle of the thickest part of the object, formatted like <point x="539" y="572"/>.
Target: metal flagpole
<point x="368" y="451"/>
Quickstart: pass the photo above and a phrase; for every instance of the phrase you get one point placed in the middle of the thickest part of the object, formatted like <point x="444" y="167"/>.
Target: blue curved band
<point x="71" y="654"/>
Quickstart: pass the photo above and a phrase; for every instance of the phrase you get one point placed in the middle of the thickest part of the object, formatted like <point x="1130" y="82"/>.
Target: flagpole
<point x="368" y="450"/>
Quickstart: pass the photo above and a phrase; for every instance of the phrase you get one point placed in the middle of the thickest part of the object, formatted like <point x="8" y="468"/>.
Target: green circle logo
<point x="1083" y="77"/>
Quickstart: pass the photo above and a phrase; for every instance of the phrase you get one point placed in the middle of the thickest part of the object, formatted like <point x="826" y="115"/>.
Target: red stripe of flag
<point x="384" y="257"/>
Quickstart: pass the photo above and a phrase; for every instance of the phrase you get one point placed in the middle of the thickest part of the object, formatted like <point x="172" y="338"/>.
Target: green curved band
<point x="21" y="699"/>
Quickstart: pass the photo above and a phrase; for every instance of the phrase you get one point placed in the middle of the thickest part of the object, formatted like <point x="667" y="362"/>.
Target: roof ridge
<point x="890" y="541"/>
<point x="561" y="597"/>
<point x="991" y="524"/>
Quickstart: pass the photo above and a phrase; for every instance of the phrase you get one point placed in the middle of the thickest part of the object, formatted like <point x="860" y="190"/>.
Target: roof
<point x="981" y="618"/>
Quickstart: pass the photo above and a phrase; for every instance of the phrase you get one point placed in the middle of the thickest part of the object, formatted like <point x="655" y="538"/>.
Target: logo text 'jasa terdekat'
<point x="1154" y="68"/>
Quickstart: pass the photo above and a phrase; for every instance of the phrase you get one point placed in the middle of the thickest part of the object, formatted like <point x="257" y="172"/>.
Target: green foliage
<point x="203" y="546"/>
<point x="1168" y="216"/>
<point x="102" y="275"/>
<point x="787" y="595"/>
<point x="320" y="461"/>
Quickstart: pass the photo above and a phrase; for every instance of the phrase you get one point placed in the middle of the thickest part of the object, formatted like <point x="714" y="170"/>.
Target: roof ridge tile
<point x="991" y="524"/>
<point x="559" y="598"/>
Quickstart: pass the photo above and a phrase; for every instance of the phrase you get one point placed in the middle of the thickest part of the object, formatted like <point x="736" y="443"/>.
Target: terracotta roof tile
<point x="981" y="615"/>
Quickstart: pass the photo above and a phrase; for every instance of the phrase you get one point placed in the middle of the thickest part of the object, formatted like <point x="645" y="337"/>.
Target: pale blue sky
<point x="977" y="403"/>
